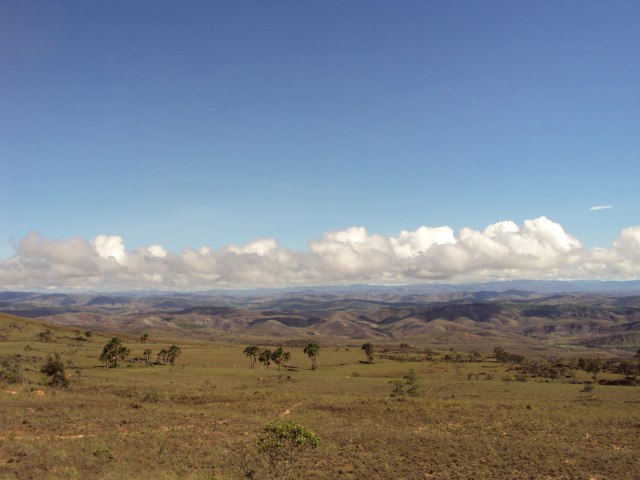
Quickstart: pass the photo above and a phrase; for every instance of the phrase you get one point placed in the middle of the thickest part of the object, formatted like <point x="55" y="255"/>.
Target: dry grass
<point x="196" y="419"/>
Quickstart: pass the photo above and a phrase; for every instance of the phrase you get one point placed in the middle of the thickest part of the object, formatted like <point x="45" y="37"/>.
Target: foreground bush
<point x="282" y="444"/>
<point x="54" y="370"/>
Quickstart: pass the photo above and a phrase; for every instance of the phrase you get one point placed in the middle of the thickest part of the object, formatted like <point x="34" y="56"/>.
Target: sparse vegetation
<point x="185" y="422"/>
<point x="503" y="356"/>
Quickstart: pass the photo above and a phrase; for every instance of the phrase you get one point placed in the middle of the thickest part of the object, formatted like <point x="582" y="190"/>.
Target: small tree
<point x="163" y="355"/>
<point x="144" y="338"/>
<point x="369" y="350"/>
<point x="286" y="358"/>
<point x="54" y="370"/>
<point x="282" y="444"/>
<point x="280" y="357"/>
<point x="312" y="350"/>
<point x="173" y="353"/>
<point x="593" y="366"/>
<point x="252" y="353"/>
<point x="501" y="355"/>
<point x="123" y="353"/>
<point x="265" y="357"/>
<point x="147" y="355"/>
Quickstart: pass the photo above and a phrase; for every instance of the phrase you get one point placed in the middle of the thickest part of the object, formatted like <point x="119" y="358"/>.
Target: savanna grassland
<point x="202" y="417"/>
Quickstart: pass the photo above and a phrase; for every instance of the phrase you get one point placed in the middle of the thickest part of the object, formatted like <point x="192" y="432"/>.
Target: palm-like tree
<point x="252" y="353"/>
<point x="278" y="357"/>
<point x="173" y="354"/>
<point x="163" y="355"/>
<point x="265" y="357"/>
<point x="112" y="352"/>
<point x="286" y="358"/>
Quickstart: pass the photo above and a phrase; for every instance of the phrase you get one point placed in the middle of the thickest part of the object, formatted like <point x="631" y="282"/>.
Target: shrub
<point x="408" y="386"/>
<point x="54" y="370"/>
<point x="10" y="370"/>
<point x="283" y="444"/>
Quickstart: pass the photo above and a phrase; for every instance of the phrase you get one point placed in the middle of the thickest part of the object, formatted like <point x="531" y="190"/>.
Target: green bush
<point x="282" y="444"/>
<point x="408" y="386"/>
<point x="54" y="370"/>
<point x="10" y="370"/>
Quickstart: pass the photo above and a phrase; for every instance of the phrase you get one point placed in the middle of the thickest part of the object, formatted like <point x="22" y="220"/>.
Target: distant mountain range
<point x="543" y="316"/>
<point x="531" y="286"/>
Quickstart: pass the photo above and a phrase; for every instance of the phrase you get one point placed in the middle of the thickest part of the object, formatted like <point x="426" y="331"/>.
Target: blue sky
<point x="189" y="124"/>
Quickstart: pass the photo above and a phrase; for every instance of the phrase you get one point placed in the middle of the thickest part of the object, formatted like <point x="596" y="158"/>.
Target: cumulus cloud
<point x="110" y="248"/>
<point x="595" y="208"/>
<point x="538" y="248"/>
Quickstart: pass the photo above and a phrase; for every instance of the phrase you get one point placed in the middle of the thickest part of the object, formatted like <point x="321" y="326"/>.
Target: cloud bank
<point x="537" y="249"/>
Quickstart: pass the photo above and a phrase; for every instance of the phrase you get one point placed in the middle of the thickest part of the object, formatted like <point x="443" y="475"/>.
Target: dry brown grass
<point x="194" y="420"/>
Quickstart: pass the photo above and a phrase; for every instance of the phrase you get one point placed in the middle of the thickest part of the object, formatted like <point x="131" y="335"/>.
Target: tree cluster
<point x="266" y="356"/>
<point x="113" y="352"/>
<point x="167" y="355"/>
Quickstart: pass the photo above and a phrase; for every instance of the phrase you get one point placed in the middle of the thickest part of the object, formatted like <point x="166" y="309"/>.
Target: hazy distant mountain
<point x="522" y="314"/>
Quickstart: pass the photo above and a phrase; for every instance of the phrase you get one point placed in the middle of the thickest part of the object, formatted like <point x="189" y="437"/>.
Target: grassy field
<point x="201" y="418"/>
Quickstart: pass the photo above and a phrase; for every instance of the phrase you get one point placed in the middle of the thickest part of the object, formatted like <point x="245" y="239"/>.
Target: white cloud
<point x="410" y="244"/>
<point x="110" y="247"/>
<point x="538" y="248"/>
<point x="595" y="208"/>
<point x="157" y="251"/>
